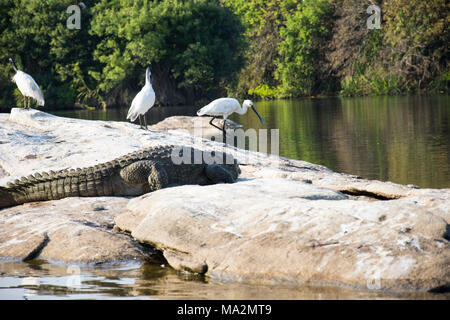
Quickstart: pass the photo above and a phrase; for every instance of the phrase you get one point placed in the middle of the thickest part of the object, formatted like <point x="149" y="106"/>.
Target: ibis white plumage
<point x="224" y="107"/>
<point x="143" y="101"/>
<point x="27" y="86"/>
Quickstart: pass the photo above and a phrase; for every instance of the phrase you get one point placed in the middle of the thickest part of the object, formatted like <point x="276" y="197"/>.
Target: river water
<point x="400" y="139"/>
<point x="39" y="279"/>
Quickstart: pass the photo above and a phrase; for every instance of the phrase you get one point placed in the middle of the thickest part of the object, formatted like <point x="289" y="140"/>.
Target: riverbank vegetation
<point x="201" y="49"/>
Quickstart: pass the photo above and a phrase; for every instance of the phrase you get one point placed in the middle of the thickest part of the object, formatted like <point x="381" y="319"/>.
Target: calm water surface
<point x="40" y="279"/>
<point x="401" y="139"/>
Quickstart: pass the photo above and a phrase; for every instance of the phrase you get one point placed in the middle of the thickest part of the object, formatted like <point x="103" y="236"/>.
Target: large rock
<point x="283" y="221"/>
<point x="69" y="230"/>
<point x="286" y="231"/>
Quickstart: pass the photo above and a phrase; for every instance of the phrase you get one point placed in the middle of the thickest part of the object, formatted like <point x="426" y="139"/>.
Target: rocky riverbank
<point x="284" y="221"/>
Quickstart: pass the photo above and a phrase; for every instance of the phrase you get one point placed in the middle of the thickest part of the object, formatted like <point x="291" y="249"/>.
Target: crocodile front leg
<point x="217" y="173"/>
<point x="145" y="171"/>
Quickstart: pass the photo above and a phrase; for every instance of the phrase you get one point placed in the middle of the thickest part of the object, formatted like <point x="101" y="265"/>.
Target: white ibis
<point x="143" y="101"/>
<point x="224" y="107"/>
<point x="27" y="86"/>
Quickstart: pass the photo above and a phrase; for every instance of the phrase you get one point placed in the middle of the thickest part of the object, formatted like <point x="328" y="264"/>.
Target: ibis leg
<point x="224" y="131"/>
<point x="224" y="125"/>
<point x="210" y="122"/>
<point x="145" y="122"/>
<point x="140" y="122"/>
<point x="221" y="129"/>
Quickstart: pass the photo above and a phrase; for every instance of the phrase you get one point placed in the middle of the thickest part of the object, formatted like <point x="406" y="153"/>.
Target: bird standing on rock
<point x="224" y="107"/>
<point x="143" y="101"/>
<point x="27" y="86"/>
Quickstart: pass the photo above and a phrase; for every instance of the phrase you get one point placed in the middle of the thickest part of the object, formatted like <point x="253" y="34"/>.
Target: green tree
<point x="263" y="20"/>
<point x="417" y="34"/>
<point x="36" y="35"/>
<point x="6" y="85"/>
<point x="409" y="53"/>
<point x="196" y="44"/>
<point x="300" y="65"/>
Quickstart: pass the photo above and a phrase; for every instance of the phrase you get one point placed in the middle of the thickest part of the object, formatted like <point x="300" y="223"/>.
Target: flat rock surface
<point x="283" y="221"/>
<point x="282" y="230"/>
<point x="69" y="230"/>
<point x="199" y="126"/>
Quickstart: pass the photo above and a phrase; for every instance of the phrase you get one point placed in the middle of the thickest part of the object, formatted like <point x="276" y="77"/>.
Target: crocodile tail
<point x="6" y="198"/>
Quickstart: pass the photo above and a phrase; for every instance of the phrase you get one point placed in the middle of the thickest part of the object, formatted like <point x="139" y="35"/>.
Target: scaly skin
<point x="134" y="174"/>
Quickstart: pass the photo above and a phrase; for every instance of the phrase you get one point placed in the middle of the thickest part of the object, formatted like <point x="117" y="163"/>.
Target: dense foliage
<point x="300" y="66"/>
<point x="195" y="43"/>
<point x="408" y="54"/>
<point x="325" y="47"/>
<point x="202" y="49"/>
<point x="36" y="36"/>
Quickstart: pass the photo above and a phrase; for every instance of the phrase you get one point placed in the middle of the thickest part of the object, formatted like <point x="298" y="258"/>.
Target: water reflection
<point x="149" y="281"/>
<point x="400" y="139"/>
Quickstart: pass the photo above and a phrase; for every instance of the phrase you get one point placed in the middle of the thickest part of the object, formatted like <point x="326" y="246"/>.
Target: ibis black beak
<point x="261" y="119"/>
<point x="148" y="73"/>
<point x="13" y="63"/>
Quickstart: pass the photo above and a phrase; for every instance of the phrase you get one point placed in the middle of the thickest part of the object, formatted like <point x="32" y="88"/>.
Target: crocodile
<point x="133" y="174"/>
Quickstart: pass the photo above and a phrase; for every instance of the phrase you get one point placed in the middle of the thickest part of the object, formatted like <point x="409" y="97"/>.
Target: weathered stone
<point x="68" y="230"/>
<point x="283" y="221"/>
<point x="195" y="125"/>
<point x="282" y="230"/>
